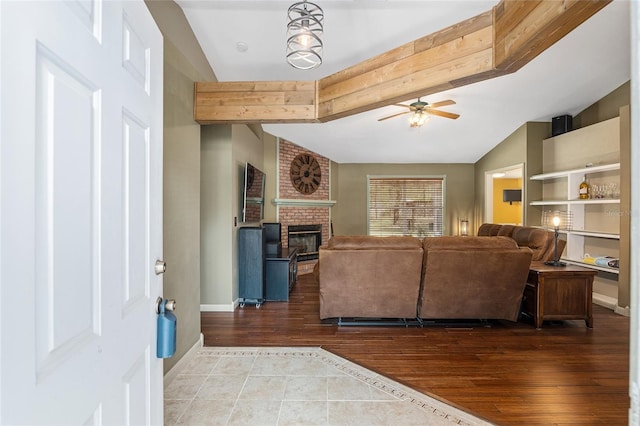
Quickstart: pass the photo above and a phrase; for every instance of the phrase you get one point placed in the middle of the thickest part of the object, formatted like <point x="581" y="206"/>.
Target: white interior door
<point x="80" y="212"/>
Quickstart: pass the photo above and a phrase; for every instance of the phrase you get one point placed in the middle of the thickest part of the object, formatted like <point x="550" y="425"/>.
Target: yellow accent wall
<point x="503" y="212"/>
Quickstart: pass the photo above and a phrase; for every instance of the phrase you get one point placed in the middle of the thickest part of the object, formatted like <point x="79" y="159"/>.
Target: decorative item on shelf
<point x="605" y="190"/>
<point x="464" y="227"/>
<point x="557" y="220"/>
<point x="583" y="190"/>
<point x="304" y="46"/>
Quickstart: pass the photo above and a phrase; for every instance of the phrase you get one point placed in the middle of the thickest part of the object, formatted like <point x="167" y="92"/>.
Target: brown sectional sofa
<point x="434" y="278"/>
<point x="540" y="241"/>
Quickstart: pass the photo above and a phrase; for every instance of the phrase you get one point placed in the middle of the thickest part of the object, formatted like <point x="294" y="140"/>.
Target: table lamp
<point x="557" y="220"/>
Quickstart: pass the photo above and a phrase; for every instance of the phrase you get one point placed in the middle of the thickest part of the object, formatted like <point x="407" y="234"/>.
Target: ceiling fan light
<point x="304" y="45"/>
<point x="418" y="118"/>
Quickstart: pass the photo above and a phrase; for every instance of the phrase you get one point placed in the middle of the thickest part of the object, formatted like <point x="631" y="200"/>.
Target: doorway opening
<point x="500" y="185"/>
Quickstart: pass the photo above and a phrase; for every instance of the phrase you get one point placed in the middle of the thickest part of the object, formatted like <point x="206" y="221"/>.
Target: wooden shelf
<point x="596" y="234"/>
<point x="582" y="171"/>
<point x="588" y="201"/>
<point x="591" y="266"/>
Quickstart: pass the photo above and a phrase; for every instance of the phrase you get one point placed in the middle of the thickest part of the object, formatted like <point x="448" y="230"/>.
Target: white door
<point x="80" y="212"/>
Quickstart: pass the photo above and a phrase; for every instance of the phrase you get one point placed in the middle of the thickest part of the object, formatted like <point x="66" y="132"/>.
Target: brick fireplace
<point x="300" y="210"/>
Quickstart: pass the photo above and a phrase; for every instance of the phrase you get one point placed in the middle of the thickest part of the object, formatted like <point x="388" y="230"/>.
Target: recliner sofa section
<point x="435" y="278"/>
<point x="473" y="278"/>
<point x="370" y="277"/>
<point x="539" y="240"/>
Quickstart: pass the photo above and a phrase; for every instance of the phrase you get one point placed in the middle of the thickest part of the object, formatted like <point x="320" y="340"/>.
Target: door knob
<point x="160" y="267"/>
<point x="169" y="305"/>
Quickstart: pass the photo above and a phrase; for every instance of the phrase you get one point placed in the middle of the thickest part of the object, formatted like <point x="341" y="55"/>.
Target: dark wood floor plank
<point x="508" y="373"/>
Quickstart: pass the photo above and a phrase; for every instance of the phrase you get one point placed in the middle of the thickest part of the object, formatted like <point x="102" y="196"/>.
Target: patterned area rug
<point x="296" y="386"/>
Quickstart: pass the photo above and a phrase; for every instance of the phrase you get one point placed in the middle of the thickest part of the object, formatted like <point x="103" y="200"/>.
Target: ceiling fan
<point x="421" y="111"/>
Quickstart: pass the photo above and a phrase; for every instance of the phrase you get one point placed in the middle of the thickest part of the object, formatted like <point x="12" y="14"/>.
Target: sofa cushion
<point x="507" y="230"/>
<point x="538" y="240"/>
<point x="368" y="242"/>
<point x="489" y="230"/>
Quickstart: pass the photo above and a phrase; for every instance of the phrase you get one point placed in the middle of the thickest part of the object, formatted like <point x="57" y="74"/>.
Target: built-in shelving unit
<point x="593" y="153"/>
<point x="576" y="237"/>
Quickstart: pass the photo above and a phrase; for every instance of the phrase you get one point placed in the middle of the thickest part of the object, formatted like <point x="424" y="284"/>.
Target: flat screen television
<point x="253" y="194"/>
<point x="511" y="195"/>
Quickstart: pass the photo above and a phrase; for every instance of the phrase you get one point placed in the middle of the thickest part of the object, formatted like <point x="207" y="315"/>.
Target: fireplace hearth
<point x="306" y="238"/>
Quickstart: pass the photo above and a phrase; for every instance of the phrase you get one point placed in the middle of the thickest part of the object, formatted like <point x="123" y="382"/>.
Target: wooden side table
<point x="558" y="293"/>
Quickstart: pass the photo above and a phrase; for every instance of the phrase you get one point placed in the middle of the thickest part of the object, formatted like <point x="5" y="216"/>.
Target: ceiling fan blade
<point x="442" y="113"/>
<point x="393" y="115"/>
<point x="402" y="105"/>
<point x="442" y="103"/>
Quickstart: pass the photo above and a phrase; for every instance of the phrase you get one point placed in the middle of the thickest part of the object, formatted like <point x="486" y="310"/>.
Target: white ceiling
<point x="581" y="68"/>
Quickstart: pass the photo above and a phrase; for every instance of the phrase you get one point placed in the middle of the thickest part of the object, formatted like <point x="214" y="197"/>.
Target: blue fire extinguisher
<point x="167" y="322"/>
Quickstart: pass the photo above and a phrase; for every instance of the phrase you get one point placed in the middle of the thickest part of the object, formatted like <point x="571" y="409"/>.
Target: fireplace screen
<point x="307" y="239"/>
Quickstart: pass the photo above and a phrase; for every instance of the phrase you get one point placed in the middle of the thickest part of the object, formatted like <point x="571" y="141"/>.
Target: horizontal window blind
<point x="406" y="206"/>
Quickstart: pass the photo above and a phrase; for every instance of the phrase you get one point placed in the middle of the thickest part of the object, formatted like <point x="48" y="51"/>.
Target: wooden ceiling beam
<point x="524" y="29"/>
<point x="491" y="44"/>
<point x="419" y="68"/>
<point x="255" y="102"/>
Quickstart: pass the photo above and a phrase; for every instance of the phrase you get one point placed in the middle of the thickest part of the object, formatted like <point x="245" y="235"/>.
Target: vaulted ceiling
<point x="579" y="69"/>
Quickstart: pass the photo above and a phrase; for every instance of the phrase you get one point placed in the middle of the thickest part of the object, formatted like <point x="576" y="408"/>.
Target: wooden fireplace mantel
<point x="298" y="202"/>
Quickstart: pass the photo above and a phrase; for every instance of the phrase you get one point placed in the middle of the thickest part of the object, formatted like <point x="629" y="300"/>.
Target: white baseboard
<point x="186" y="359"/>
<point x="606" y="301"/>
<point x="626" y="311"/>
<point x="219" y="308"/>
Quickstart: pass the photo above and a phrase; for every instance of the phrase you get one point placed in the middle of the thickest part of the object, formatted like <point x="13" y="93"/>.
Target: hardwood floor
<point x="507" y="373"/>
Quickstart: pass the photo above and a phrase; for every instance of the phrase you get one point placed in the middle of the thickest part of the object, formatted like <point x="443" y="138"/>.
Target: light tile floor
<point x="295" y="386"/>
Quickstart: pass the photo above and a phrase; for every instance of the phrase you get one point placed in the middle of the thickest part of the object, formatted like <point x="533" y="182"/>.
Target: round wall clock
<point x="305" y="174"/>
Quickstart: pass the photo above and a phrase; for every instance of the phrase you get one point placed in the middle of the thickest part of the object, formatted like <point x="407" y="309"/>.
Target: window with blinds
<point x="406" y="206"/>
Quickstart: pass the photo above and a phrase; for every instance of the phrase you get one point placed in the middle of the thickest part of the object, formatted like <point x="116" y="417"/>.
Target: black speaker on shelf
<point x="273" y="238"/>
<point x="272" y="231"/>
<point x="561" y="124"/>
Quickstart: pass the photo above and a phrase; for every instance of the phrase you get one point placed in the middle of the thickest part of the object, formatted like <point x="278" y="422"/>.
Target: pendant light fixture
<point x="304" y="45"/>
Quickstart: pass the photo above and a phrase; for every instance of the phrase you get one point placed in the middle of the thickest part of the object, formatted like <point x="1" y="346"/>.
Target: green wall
<point x="349" y="189"/>
<point x="225" y="151"/>
<point x="606" y="108"/>
<point x="184" y="63"/>
<point x="216" y="215"/>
